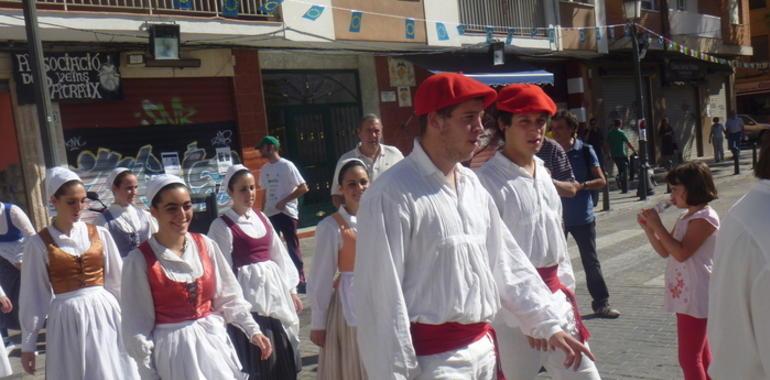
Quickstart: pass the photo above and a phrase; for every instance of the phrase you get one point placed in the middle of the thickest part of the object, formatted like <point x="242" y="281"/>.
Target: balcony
<point x="695" y="24"/>
<point x="247" y="9"/>
<point x="476" y="15"/>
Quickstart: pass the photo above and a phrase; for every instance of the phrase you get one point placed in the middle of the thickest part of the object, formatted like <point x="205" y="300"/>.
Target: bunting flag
<point x="627" y="30"/>
<point x="582" y="36"/>
<point x="356" y="17"/>
<point x="409" y="33"/>
<point x="509" y="37"/>
<point x="533" y="32"/>
<point x="611" y="32"/>
<point x="490" y="33"/>
<point x="441" y="32"/>
<point x="230" y="8"/>
<point x="461" y="29"/>
<point x="183" y="5"/>
<point x="314" y="12"/>
<point x="269" y="7"/>
<point x="598" y="32"/>
<point x="552" y="35"/>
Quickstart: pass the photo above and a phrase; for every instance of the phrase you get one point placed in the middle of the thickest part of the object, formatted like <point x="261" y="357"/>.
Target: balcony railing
<point x="247" y="9"/>
<point x="476" y="15"/>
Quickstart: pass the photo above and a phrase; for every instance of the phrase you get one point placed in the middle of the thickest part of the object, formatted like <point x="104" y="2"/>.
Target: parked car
<point x="753" y="130"/>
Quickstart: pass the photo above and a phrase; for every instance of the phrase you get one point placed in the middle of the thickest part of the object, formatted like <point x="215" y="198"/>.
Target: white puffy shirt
<point x="432" y="254"/>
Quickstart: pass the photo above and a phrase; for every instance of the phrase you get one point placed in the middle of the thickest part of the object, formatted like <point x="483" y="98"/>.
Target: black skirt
<point x="10" y="279"/>
<point x="281" y="365"/>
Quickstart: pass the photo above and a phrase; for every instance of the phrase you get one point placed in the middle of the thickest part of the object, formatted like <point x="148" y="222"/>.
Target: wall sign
<point x="71" y="76"/>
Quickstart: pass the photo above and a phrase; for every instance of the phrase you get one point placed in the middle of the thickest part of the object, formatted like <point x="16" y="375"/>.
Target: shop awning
<point x="506" y="78"/>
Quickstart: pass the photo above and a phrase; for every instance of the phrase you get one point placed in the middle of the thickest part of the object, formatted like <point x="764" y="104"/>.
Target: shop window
<point x="757" y="4"/>
<point x="760" y="46"/>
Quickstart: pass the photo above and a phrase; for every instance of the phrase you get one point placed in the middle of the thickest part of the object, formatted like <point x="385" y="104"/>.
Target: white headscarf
<point x="114" y="174"/>
<point x="56" y="177"/>
<point x="158" y="182"/>
<point x="342" y="165"/>
<point x="229" y="175"/>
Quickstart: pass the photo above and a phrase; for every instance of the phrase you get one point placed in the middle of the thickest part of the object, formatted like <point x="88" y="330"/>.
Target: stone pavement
<point x="641" y="344"/>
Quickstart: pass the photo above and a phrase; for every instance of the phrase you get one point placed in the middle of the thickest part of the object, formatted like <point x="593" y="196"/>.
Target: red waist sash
<point x="435" y="339"/>
<point x="551" y="278"/>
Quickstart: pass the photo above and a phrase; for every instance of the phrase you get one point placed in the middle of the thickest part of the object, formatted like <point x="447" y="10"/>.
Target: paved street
<point x="642" y="343"/>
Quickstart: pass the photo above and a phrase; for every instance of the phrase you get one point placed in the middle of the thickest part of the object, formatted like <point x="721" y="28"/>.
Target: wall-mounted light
<point x="497" y="53"/>
<point x="164" y="42"/>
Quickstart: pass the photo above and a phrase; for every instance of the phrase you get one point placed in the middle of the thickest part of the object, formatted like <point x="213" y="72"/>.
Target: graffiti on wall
<point x="157" y="113"/>
<point x="94" y="152"/>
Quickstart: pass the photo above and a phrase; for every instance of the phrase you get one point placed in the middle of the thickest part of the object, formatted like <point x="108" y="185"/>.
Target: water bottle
<point x="663" y="206"/>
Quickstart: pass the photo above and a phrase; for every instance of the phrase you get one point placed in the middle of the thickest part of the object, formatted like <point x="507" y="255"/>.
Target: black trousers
<point x="585" y="237"/>
<point x="287" y="227"/>
<point x="622" y="164"/>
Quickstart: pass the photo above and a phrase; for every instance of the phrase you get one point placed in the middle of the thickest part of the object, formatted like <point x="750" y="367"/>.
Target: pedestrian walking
<point x="283" y="186"/>
<point x="738" y="305"/>
<point x="595" y="138"/>
<point x="579" y="219"/>
<point x="70" y="285"/>
<point x="529" y="206"/>
<point x="182" y="293"/>
<point x="434" y="260"/>
<point x="689" y="251"/>
<point x="128" y="224"/>
<point x="333" y="319"/>
<point x="618" y="142"/>
<point x="18" y="229"/>
<point x="716" y="138"/>
<point x="377" y="156"/>
<point x="266" y="274"/>
<point x="668" y="146"/>
<point x="734" y="126"/>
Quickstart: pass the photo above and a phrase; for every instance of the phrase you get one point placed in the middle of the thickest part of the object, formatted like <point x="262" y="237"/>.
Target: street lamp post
<point x="633" y="10"/>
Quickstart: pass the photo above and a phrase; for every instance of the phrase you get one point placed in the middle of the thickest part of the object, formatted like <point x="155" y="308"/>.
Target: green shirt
<point x="617" y="141"/>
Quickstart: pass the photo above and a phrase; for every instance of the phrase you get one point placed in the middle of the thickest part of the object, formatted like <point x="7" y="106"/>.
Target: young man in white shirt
<point x="434" y="261"/>
<point x="376" y="156"/>
<point x="530" y="207"/>
<point x="283" y="185"/>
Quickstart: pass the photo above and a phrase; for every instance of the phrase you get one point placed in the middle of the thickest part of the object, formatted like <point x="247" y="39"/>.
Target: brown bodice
<point x="346" y="259"/>
<point x="67" y="272"/>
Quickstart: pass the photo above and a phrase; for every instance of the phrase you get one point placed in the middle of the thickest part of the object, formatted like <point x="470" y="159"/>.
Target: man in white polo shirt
<point x="378" y="157"/>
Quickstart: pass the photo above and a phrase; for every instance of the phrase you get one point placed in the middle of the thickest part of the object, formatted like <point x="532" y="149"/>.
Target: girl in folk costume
<point x="15" y="229"/>
<point x="71" y="274"/>
<point x="689" y="250"/>
<point x="128" y="224"/>
<point x="333" y="319"/>
<point x="267" y="276"/>
<point x="182" y="292"/>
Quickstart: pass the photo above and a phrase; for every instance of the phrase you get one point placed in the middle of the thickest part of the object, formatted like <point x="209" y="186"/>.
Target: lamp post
<point x="633" y="12"/>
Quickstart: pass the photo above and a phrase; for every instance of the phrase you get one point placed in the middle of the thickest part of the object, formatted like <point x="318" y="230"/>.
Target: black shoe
<point x="606" y="313"/>
<point x="302" y="288"/>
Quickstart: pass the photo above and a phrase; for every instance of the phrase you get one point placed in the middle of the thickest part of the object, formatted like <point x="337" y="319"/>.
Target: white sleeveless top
<point x="687" y="283"/>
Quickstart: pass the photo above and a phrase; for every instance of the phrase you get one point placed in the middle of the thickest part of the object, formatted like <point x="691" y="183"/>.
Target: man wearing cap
<point x="434" y="260"/>
<point x="530" y="207"/>
<point x="376" y="156"/>
<point x="283" y="185"/>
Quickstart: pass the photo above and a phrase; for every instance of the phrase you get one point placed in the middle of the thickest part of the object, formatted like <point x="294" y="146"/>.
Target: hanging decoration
<point x="314" y="12"/>
<point x="409" y="29"/>
<point x="230" y="8"/>
<point x="356" y="17"/>
<point x="441" y="32"/>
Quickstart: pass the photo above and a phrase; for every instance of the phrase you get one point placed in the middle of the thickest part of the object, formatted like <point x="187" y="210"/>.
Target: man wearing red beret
<point x="530" y="207"/>
<point x="434" y="260"/>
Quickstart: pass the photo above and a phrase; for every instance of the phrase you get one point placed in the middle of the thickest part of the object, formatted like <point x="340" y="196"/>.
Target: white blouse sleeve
<point x="138" y="312"/>
<point x="228" y="299"/>
<point x="223" y="237"/>
<point x="21" y="221"/>
<point x="153" y="222"/>
<point x="113" y="263"/>
<point x="280" y="255"/>
<point x="35" y="294"/>
<point x="383" y="237"/>
<point x="321" y="282"/>
<point x="522" y="291"/>
<point x="565" y="271"/>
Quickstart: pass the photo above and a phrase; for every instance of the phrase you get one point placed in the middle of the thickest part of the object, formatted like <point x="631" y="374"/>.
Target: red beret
<point x="525" y="98"/>
<point x="447" y="89"/>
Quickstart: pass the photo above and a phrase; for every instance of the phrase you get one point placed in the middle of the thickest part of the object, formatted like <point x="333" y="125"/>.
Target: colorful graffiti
<point x="158" y="114"/>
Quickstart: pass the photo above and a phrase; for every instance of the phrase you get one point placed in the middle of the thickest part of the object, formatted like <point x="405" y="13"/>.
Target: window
<point x="650" y="4"/>
<point x="681" y="5"/>
<point x="757" y="4"/>
<point x="760" y="44"/>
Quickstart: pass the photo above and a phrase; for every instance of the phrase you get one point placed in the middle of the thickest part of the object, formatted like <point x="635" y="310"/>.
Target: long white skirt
<point x="195" y="350"/>
<point x="5" y="364"/>
<point x="84" y="339"/>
